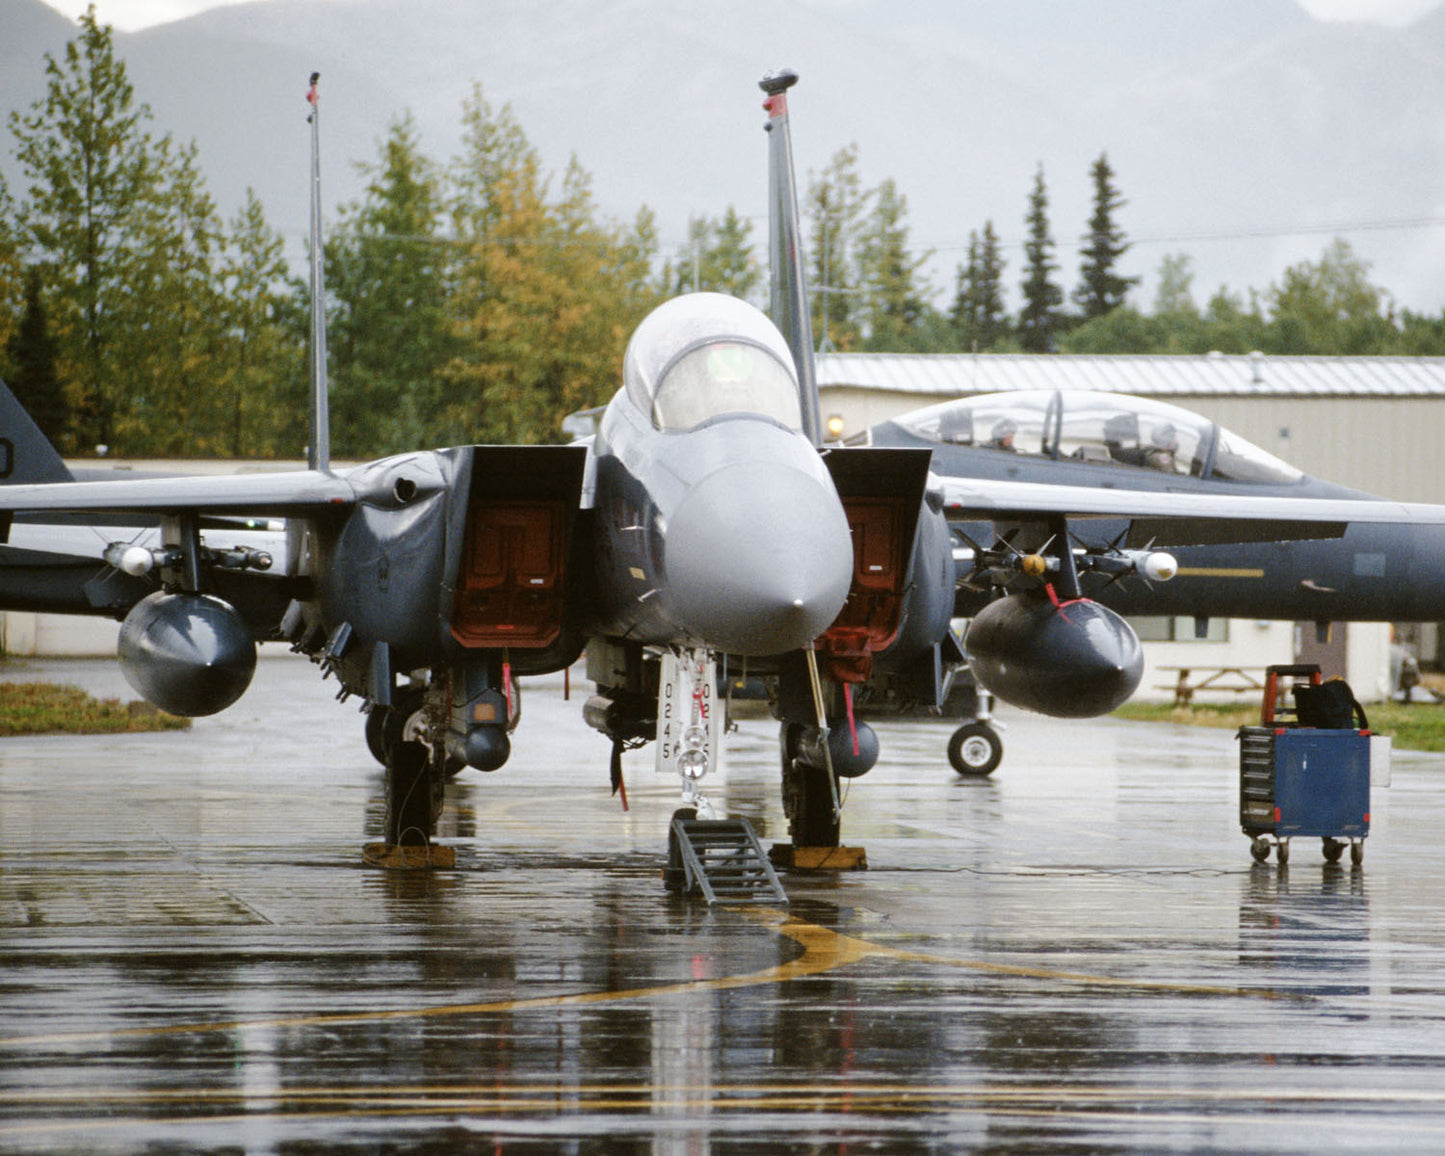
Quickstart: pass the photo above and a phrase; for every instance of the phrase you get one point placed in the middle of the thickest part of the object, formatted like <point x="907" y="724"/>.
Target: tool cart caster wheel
<point x="1281" y="851"/>
<point x="1259" y="848"/>
<point x="1357" y="853"/>
<point x="1333" y="849"/>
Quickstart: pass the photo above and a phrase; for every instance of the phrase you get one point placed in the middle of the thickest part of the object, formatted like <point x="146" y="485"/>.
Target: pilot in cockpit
<point x="1163" y="446"/>
<point x="1002" y="436"/>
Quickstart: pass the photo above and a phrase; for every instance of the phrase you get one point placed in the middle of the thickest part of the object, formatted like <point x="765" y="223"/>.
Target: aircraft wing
<point x="279" y="495"/>
<point x="1167" y="518"/>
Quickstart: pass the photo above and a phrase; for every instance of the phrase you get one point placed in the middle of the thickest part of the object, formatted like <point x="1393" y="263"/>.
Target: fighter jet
<point x="706" y="521"/>
<point x="1361" y="572"/>
<point x="703" y="521"/>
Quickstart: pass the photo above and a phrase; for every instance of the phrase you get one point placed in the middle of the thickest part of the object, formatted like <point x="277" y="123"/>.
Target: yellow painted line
<point x="1123" y="1105"/>
<point x="823" y="951"/>
<point x="1218" y="572"/>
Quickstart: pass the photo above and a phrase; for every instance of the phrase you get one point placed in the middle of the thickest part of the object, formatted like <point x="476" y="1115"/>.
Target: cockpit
<point x="705" y="355"/>
<point x="1104" y="429"/>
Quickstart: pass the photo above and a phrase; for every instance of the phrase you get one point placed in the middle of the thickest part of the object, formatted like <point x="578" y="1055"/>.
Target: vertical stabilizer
<point x="789" y="302"/>
<point x="318" y="453"/>
<point x="25" y="453"/>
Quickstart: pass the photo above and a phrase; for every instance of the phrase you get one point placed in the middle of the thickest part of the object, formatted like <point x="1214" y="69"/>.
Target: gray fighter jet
<point x="705" y="521"/>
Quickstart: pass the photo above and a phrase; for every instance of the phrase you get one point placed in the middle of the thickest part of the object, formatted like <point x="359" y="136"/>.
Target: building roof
<point x="1221" y="375"/>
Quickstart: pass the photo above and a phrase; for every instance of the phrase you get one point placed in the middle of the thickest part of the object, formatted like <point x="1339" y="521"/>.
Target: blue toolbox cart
<point x="1305" y="770"/>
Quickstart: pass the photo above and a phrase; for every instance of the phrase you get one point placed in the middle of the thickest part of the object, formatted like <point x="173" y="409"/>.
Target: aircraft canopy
<point x="703" y="355"/>
<point x="1108" y="429"/>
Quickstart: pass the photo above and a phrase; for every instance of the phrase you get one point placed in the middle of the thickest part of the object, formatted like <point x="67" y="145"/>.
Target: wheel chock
<point x="788" y="857"/>
<point x="398" y="857"/>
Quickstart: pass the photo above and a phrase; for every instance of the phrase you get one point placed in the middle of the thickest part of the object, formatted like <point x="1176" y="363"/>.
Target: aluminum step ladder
<point x="725" y="862"/>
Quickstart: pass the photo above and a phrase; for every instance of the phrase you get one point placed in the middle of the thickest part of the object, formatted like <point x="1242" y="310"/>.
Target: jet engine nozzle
<point x="758" y="558"/>
<point x="189" y="654"/>
<point x="1075" y="660"/>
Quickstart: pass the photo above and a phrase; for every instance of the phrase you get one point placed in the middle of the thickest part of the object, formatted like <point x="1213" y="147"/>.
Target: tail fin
<point x="25" y="453"/>
<point x="789" y="303"/>
<point x="318" y="454"/>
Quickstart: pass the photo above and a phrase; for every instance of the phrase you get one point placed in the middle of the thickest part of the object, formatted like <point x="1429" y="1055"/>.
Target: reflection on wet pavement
<point x="1077" y="955"/>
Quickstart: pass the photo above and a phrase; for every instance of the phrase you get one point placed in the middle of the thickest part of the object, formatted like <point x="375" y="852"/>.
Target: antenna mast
<point x="318" y="453"/>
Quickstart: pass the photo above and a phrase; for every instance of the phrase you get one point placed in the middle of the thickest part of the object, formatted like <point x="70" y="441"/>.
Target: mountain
<point x="1239" y="131"/>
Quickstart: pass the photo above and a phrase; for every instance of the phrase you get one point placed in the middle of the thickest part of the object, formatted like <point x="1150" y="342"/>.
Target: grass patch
<point x="1413" y="726"/>
<point x="42" y="708"/>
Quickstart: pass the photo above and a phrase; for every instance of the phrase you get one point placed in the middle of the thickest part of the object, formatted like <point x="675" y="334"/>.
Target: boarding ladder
<point x="725" y="861"/>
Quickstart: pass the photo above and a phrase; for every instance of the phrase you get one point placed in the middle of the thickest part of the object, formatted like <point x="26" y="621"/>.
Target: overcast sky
<point x="129" y="15"/>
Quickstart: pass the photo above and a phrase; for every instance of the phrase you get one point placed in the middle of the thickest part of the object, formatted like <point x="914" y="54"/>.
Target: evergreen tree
<point x="979" y="318"/>
<point x="389" y="270"/>
<point x="718" y="258"/>
<point x="263" y="388"/>
<point x="1101" y="288"/>
<point x="836" y="206"/>
<point x="893" y="293"/>
<point x="91" y="172"/>
<point x="1039" y="318"/>
<point x="169" y="355"/>
<point x="31" y="354"/>
<point x="13" y="274"/>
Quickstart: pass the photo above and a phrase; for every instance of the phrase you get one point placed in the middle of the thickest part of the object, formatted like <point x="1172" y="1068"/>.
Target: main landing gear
<point x="975" y="749"/>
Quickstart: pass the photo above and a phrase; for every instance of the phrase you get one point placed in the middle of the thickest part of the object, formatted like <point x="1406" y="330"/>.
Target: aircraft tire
<point x="1259" y="848"/>
<point x="975" y="750"/>
<point x="807" y="798"/>
<point x="376" y="733"/>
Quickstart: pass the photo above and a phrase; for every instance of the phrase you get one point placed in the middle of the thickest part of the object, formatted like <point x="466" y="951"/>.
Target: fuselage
<point x="1384" y="572"/>
<point x="717" y="524"/>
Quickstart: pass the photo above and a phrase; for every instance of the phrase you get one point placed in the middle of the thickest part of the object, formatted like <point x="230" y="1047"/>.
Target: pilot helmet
<point x="1005" y="427"/>
<point x="1165" y="437"/>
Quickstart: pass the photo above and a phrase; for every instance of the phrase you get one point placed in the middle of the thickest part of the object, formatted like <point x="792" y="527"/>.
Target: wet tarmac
<point x="1076" y="955"/>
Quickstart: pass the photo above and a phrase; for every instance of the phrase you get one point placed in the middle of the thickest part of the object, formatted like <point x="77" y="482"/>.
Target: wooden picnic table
<point x="1236" y="679"/>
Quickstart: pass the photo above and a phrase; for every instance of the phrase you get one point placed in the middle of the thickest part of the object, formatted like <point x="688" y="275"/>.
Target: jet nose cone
<point x="759" y="559"/>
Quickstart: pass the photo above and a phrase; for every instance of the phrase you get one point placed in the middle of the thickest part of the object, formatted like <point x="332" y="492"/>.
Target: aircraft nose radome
<point x="759" y="559"/>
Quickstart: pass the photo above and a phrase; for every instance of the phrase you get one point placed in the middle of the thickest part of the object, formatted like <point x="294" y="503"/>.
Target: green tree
<point x="170" y="350"/>
<point x="1101" y="288"/>
<point x="836" y="207"/>
<point x="979" y="317"/>
<point x="718" y="257"/>
<point x="91" y="172"/>
<point x="33" y="377"/>
<point x="1174" y="295"/>
<point x="546" y="296"/>
<point x="262" y="387"/>
<point x="1040" y="318"/>
<point x="388" y="280"/>
<point x="1329" y="307"/>
<point x="1232" y="324"/>
<point x="894" y="294"/>
<point x="13" y="274"/>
